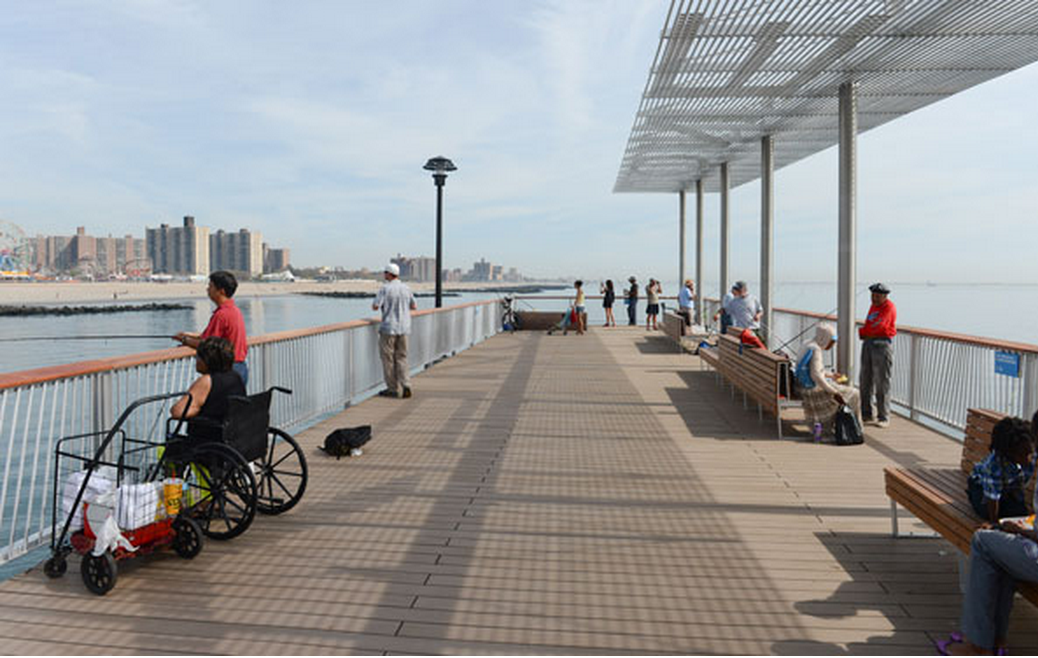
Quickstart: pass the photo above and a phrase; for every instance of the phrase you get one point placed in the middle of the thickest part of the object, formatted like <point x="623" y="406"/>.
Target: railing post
<point x="913" y="376"/>
<point x="347" y="378"/>
<point x="1029" y="373"/>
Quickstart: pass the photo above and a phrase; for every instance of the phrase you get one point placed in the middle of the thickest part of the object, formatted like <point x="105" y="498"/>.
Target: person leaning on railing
<point x="396" y="302"/>
<point x="1001" y="554"/>
<point x="877" y="355"/>
<point x="225" y="322"/>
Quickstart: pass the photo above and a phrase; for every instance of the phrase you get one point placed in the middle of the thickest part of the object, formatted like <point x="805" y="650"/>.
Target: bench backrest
<point x="758" y="372"/>
<point x="976" y="443"/>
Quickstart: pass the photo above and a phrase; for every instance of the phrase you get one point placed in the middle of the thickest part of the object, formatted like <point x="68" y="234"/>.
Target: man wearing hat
<point x="396" y="302"/>
<point x="877" y="355"/>
<point x="632" y="302"/>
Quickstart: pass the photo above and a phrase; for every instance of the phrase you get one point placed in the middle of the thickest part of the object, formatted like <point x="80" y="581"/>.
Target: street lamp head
<point x="439" y="165"/>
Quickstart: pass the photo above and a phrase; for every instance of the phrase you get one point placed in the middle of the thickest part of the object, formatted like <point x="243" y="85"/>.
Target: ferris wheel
<point x="15" y="250"/>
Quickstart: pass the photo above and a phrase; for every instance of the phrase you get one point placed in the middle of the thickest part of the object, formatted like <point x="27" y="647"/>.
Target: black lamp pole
<point x="439" y="166"/>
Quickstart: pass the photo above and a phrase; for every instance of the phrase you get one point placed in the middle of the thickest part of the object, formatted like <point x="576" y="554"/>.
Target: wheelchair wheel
<point x="220" y="491"/>
<point x="282" y="475"/>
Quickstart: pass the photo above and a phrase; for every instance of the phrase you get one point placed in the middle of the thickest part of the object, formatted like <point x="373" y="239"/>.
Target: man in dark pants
<point x="877" y="355"/>
<point x="632" y="302"/>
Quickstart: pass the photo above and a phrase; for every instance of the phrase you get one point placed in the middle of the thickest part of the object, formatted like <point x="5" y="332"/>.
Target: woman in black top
<point x="209" y="393"/>
<point x="608" y="297"/>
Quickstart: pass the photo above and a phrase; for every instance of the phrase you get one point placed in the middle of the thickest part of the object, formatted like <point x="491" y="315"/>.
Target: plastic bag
<point x="101" y="481"/>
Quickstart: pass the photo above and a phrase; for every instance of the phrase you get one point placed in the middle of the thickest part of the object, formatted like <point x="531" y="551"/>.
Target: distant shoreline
<point x="13" y="293"/>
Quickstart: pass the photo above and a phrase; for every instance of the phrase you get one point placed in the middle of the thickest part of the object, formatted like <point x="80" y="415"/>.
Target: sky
<point x="310" y="122"/>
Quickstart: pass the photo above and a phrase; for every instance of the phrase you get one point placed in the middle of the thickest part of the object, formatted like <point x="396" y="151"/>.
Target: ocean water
<point x="1007" y="312"/>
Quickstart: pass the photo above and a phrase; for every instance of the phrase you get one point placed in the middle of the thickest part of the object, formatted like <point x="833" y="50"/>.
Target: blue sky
<point x="310" y="122"/>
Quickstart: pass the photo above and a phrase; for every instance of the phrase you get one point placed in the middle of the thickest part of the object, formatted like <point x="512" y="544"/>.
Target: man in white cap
<point x="396" y="302"/>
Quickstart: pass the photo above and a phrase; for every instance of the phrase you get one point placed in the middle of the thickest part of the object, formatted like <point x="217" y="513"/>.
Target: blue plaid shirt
<point x="997" y="475"/>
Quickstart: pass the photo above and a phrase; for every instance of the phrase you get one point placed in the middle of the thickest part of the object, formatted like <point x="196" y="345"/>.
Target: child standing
<point x="996" y="485"/>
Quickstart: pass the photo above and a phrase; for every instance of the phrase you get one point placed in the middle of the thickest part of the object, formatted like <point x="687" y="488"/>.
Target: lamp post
<point x="439" y="166"/>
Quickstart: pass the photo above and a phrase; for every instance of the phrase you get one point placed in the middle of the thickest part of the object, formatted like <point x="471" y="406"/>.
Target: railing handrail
<point x="94" y="366"/>
<point x="980" y="341"/>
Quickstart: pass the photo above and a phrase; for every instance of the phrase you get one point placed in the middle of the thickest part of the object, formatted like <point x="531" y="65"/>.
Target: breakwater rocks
<point x="370" y="295"/>
<point x="16" y="311"/>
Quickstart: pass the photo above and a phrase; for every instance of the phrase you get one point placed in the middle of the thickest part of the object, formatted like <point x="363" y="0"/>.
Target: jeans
<point x="997" y="560"/>
<point x="242" y="369"/>
<point x="877" y="362"/>
<point x="632" y="312"/>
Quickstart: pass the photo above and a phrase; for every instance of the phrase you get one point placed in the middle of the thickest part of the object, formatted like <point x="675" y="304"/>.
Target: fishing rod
<point x="21" y="339"/>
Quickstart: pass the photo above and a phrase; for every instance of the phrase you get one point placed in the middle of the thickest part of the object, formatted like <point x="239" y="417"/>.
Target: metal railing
<point x="328" y="368"/>
<point x="937" y="375"/>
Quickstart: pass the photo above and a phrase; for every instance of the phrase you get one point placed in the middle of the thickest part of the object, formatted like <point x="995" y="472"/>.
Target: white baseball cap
<point x="393" y="269"/>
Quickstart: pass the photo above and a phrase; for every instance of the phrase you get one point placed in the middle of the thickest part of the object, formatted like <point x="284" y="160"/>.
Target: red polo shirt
<point x="227" y="322"/>
<point x="881" y="322"/>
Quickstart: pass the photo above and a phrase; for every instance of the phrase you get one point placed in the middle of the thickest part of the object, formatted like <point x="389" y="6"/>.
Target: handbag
<point x="340" y="442"/>
<point x="848" y="429"/>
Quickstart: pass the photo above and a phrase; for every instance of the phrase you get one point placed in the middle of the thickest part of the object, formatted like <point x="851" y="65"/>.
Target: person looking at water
<point x="225" y="322"/>
<point x="396" y="301"/>
<point x="722" y="312"/>
<point x="877" y="355"/>
<point x="631" y="297"/>
<point x="608" y="298"/>
<point x="652" y="304"/>
<point x="744" y="309"/>
<point x="207" y="398"/>
<point x="1001" y="555"/>
<point x="686" y="305"/>
<point x="579" y="307"/>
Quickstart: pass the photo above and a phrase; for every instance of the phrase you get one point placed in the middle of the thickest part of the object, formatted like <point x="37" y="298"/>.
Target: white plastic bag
<point x="101" y="482"/>
<point x="138" y="505"/>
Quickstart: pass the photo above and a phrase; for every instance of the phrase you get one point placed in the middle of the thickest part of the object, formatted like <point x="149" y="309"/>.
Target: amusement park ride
<point x="15" y="252"/>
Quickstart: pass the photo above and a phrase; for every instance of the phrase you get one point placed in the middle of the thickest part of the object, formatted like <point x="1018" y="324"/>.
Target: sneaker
<point x="386" y="393"/>
<point x="407" y="392"/>
<point x="882" y="423"/>
<point x="356" y="452"/>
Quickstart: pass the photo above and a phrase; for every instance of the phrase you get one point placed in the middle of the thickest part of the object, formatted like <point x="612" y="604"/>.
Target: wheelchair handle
<point x="282" y="389"/>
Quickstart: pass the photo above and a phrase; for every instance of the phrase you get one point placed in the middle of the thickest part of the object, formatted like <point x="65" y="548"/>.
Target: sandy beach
<point x="16" y="292"/>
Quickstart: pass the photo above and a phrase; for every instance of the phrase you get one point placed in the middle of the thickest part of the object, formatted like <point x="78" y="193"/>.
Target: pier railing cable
<point x="327" y="367"/>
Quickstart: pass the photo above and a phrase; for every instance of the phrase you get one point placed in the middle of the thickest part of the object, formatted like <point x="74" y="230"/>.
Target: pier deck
<point x="593" y="494"/>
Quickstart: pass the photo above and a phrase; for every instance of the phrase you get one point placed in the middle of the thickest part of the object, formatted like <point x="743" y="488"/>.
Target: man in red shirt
<point x="226" y="321"/>
<point x="877" y="355"/>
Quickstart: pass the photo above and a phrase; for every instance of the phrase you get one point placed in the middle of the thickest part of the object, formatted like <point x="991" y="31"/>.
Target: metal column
<point x="725" y="232"/>
<point x="848" y="228"/>
<point x="681" y="239"/>
<point x="767" y="231"/>
<point x="700" y="315"/>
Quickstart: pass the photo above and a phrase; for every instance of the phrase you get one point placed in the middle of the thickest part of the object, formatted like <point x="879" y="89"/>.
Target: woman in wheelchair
<point x="206" y="401"/>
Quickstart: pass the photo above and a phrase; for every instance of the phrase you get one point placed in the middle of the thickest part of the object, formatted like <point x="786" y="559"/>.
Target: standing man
<point x="686" y="305"/>
<point x="225" y="322"/>
<point x="722" y="311"/>
<point x="632" y="302"/>
<point x="877" y="355"/>
<point x="744" y="309"/>
<point x="396" y="302"/>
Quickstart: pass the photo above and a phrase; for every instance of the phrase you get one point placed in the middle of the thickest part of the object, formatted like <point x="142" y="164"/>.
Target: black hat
<point x="880" y="288"/>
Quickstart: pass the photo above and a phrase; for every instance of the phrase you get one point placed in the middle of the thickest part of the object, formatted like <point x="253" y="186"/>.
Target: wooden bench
<point x="541" y="320"/>
<point x="937" y="497"/>
<point x="685" y="337"/>
<point x="760" y="374"/>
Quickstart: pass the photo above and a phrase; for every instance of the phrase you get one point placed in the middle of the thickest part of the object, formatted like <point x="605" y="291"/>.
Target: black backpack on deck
<point x="341" y="441"/>
<point x="848" y="429"/>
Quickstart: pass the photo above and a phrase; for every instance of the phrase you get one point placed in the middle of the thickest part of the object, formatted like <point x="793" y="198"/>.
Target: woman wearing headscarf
<point x="823" y="394"/>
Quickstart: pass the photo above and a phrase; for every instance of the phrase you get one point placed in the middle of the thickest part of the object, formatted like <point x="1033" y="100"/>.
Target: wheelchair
<point x="236" y="468"/>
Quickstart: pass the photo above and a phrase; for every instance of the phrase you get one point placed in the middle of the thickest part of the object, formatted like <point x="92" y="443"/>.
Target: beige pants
<point x="393" y="350"/>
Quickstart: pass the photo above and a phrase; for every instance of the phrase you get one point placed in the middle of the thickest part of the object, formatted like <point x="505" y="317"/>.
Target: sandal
<point x="942" y="645"/>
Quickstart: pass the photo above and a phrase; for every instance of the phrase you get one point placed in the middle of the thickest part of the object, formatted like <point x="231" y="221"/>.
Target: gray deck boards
<point x="595" y="494"/>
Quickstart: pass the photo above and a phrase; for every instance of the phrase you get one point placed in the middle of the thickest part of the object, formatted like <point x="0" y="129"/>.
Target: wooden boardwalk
<point x="539" y="494"/>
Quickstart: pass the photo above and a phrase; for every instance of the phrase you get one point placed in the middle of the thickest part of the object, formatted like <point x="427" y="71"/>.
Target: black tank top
<point x="214" y="409"/>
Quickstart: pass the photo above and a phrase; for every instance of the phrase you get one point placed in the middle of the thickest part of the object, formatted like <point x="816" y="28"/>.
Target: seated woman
<point x="822" y="395"/>
<point x="999" y="558"/>
<point x="207" y="397"/>
<point x="997" y="482"/>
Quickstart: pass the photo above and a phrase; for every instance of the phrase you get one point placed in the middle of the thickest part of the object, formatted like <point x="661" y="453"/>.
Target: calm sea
<point x="1008" y="312"/>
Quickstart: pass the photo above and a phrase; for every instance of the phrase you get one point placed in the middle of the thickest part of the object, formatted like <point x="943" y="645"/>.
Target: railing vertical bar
<point x="35" y="462"/>
<point x="21" y="464"/>
<point x="51" y="433"/>
<point x="10" y="456"/>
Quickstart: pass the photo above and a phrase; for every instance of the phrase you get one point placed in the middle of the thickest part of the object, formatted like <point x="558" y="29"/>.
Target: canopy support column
<point x="681" y="239"/>
<point x="848" y="229"/>
<point x="725" y="230"/>
<point x="767" y="231"/>
<point x="700" y="314"/>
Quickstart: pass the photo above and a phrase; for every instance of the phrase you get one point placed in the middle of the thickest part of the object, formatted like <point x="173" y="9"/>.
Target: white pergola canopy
<point x="728" y="72"/>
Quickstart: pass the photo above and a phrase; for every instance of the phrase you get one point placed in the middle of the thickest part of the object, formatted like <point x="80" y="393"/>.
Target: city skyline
<point x="319" y="142"/>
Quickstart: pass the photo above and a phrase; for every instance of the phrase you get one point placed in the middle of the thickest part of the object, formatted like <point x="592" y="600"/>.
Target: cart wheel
<point x="282" y="475"/>
<point x="56" y="566"/>
<point x="188" y="540"/>
<point x="99" y="572"/>
<point x="221" y="491"/>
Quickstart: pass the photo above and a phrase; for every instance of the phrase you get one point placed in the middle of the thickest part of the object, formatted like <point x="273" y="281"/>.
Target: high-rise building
<point x="275" y="260"/>
<point x="90" y="255"/>
<point x="179" y="249"/>
<point x="240" y="252"/>
<point x="481" y="271"/>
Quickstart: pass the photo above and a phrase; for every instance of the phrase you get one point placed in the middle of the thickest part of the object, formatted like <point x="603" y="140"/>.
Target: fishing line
<point x="21" y="339"/>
